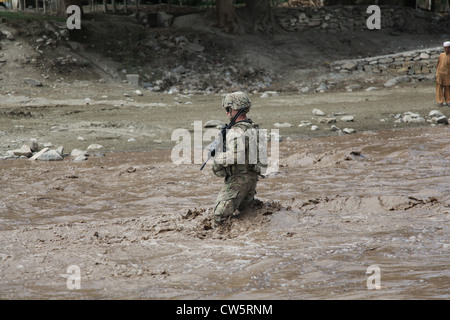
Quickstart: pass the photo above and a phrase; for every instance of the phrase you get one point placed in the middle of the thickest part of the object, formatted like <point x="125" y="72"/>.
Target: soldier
<point x="242" y="161"/>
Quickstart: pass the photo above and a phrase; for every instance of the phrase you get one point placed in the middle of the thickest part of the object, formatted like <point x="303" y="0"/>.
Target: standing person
<point x="443" y="77"/>
<point x="242" y="161"/>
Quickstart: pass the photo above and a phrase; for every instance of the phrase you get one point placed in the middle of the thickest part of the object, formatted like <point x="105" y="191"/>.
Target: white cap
<point x="447" y="44"/>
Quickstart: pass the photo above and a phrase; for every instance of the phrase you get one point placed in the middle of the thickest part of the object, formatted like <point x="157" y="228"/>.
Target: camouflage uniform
<point x="240" y="165"/>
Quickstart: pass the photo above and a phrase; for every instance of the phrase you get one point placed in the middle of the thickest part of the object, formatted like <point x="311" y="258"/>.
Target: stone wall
<point x="339" y="18"/>
<point x="336" y="19"/>
<point x="419" y="62"/>
<point x="354" y="18"/>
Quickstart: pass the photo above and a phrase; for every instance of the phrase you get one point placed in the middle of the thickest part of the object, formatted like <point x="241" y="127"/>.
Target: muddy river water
<point x="361" y="216"/>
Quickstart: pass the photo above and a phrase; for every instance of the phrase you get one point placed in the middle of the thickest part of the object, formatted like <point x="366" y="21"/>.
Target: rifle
<point x="221" y="139"/>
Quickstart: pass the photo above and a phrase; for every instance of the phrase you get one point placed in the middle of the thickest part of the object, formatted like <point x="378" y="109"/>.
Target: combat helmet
<point x="236" y="101"/>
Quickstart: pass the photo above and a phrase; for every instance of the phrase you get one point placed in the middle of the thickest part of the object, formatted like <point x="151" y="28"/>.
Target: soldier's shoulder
<point x="247" y="124"/>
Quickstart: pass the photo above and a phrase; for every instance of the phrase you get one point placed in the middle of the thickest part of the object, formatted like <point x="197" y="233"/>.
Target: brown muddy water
<point x="137" y="226"/>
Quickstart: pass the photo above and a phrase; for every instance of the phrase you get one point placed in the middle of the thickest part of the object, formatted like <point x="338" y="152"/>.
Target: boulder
<point x="50" y="155"/>
<point x="32" y="82"/>
<point x="348" y="118"/>
<point x="94" y="147"/>
<point x="349" y="130"/>
<point x="282" y="125"/>
<point x="134" y="79"/>
<point x="78" y="152"/>
<point x="318" y="112"/>
<point x="442" y="120"/>
<point x="23" y="151"/>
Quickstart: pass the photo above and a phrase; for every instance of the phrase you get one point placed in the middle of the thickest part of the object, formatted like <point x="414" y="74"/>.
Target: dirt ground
<point x="138" y="226"/>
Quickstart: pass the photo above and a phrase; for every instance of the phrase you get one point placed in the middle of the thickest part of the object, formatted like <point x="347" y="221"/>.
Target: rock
<point x="50" y="155"/>
<point x="139" y="92"/>
<point x="97" y="154"/>
<point x="348" y="118"/>
<point x="442" y="120"/>
<point x="282" y="125"/>
<point x="397" y="80"/>
<point x="60" y="150"/>
<point x="134" y="79"/>
<point x="78" y="152"/>
<point x="435" y="114"/>
<point x="412" y="114"/>
<point x="268" y="94"/>
<point x="349" y="130"/>
<point x="327" y="120"/>
<point x="304" y="124"/>
<point x="33" y="82"/>
<point x="34" y="145"/>
<point x="80" y="158"/>
<point x="318" y="112"/>
<point x="180" y="69"/>
<point x="418" y="120"/>
<point x="35" y="156"/>
<point x="213" y="124"/>
<point x="334" y="128"/>
<point x="8" y="34"/>
<point x="407" y="118"/>
<point x="322" y="87"/>
<point x="314" y="128"/>
<point x="305" y="90"/>
<point x="411" y="117"/>
<point x="353" y="87"/>
<point x="194" y="47"/>
<point x="23" y="151"/>
<point x="351" y="65"/>
<point x="173" y="90"/>
<point x="164" y="19"/>
<point x="94" y="147"/>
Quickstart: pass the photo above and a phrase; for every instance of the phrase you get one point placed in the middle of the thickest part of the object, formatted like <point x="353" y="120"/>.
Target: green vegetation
<point x="29" y="17"/>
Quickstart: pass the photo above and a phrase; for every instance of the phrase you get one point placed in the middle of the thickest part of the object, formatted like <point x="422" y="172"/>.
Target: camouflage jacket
<point x="246" y="150"/>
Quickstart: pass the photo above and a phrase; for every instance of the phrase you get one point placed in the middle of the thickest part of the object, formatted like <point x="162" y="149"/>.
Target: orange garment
<point x="443" y="78"/>
<point x="443" y="70"/>
<point x="442" y="93"/>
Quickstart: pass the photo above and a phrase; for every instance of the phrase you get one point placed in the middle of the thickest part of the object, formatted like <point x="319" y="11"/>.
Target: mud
<point x="139" y="227"/>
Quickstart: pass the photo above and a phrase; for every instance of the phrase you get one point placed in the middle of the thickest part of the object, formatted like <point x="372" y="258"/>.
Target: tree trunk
<point x="441" y="6"/>
<point x="261" y="15"/>
<point x="226" y="16"/>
